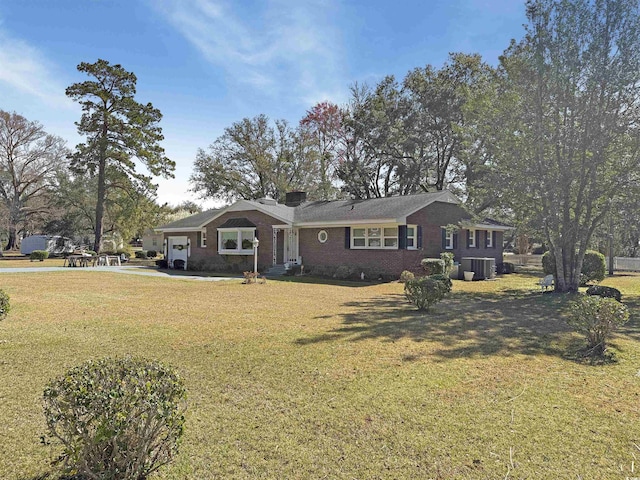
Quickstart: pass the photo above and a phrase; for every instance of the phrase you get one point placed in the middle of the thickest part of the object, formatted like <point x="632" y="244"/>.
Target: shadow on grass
<point x="464" y="324"/>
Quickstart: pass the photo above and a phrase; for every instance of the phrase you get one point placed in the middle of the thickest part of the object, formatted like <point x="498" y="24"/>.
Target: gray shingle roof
<point x="193" y="221"/>
<point x="388" y="208"/>
<point x="370" y="209"/>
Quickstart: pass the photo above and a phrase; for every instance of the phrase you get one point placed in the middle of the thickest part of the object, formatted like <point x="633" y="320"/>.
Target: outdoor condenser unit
<point x="484" y="268"/>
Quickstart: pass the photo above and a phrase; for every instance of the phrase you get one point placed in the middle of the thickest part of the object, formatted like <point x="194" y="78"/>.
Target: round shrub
<point x="5" y="306"/>
<point x="118" y="419"/>
<point x="163" y="263"/>
<point x="141" y="254"/>
<point x="433" y="266"/>
<point x="178" y="264"/>
<point x="605" y="292"/>
<point x="505" y="268"/>
<point x="39" y="255"/>
<point x="426" y="291"/>
<point x="406" y="275"/>
<point x="596" y="318"/>
<point x="152" y="254"/>
<point x="548" y="264"/>
<point x="593" y="266"/>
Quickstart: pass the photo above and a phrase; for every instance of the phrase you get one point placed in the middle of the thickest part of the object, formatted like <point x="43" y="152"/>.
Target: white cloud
<point x="25" y="70"/>
<point x="288" y="48"/>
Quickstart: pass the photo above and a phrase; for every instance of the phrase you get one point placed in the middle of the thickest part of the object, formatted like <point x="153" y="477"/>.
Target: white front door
<point x="291" y="246"/>
<point x="178" y="249"/>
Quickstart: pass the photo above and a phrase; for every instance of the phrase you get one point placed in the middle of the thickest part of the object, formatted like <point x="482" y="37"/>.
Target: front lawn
<point x="303" y="380"/>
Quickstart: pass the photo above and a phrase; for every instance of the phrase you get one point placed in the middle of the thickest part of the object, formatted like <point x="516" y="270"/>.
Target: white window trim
<point x="237" y="251"/>
<point x="448" y="240"/>
<point x="489" y="239"/>
<point x="381" y="237"/>
<point x="472" y="238"/>
<point x="414" y="237"/>
<point x="203" y="238"/>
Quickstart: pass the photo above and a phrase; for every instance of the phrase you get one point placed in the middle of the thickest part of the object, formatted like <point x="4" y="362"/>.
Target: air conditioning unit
<point x="484" y="268"/>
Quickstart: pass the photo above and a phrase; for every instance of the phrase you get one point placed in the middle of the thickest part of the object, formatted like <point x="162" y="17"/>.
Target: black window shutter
<point x="494" y="236"/>
<point x="199" y="239"/>
<point x="444" y="239"/>
<point x="347" y="237"/>
<point x="455" y="241"/>
<point x="402" y="236"/>
<point x="477" y="238"/>
<point x="256" y="233"/>
<point x="419" y="235"/>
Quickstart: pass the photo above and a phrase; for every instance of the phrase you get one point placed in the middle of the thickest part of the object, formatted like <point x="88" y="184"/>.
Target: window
<point x="374" y="237"/>
<point x="448" y="240"/>
<point x="489" y="237"/>
<point x="471" y="242"/>
<point x="154" y="241"/>
<point x="322" y="236"/>
<point x="412" y="232"/>
<point x="203" y="238"/>
<point x="236" y="241"/>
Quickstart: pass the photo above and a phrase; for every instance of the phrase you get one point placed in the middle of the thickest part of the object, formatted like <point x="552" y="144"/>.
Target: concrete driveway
<point x="127" y="270"/>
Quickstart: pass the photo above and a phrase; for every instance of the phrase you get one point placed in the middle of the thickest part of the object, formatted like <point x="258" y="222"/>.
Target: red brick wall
<point x="264" y="225"/>
<point x="392" y="262"/>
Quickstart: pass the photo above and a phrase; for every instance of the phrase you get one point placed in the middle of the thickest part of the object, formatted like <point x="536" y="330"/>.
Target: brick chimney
<point x="293" y="199"/>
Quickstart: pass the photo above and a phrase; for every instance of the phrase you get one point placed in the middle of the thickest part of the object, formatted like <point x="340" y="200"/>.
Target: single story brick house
<point x="382" y="235"/>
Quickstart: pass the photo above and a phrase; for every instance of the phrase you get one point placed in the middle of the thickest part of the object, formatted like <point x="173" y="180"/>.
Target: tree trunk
<point x="11" y="243"/>
<point x="97" y="245"/>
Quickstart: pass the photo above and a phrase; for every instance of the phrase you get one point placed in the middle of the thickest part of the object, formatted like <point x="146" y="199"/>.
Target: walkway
<point x="130" y="270"/>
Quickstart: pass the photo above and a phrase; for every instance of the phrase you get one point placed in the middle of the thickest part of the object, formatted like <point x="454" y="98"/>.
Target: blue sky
<point x="208" y="63"/>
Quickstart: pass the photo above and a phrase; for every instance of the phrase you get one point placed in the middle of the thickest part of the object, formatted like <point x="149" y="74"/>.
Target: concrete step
<point x="276" y="271"/>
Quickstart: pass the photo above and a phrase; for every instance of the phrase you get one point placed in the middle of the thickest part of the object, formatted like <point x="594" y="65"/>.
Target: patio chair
<point x="546" y="282"/>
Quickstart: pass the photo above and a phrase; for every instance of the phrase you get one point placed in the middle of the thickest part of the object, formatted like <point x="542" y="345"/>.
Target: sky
<point x="207" y="63"/>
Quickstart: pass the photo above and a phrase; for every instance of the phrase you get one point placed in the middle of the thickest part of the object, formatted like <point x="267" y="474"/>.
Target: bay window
<point x="236" y="241"/>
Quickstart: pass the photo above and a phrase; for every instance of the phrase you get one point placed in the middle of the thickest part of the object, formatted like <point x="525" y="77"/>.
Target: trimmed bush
<point x="162" y="263"/>
<point x="594" y="267"/>
<point x="152" y="254"/>
<point x="596" y="318"/>
<point x="425" y="292"/>
<point x="432" y="266"/>
<point x="548" y="264"/>
<point x="5" y="306"/>
<point x="141" y="254"/>
<point x="444" y="278"/>
<point x="178" y="264"/>
<point x="505" y="268"/>
<point x="344" y="272"/>
<point x="604" y="292"/>
<point x="118" y="419"/>
<point x="406" y="275"/>
<point x="38" y="255"/>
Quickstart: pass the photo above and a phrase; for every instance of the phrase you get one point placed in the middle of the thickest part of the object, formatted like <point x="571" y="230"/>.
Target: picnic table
<point x="79" y="261"/>
<point x="109" y="260"/>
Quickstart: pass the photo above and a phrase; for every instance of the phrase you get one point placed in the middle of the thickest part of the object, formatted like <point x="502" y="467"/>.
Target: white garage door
<point x="178" y="250"/>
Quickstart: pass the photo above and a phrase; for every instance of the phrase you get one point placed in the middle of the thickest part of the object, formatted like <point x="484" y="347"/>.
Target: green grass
<point x="303" y="380"/>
